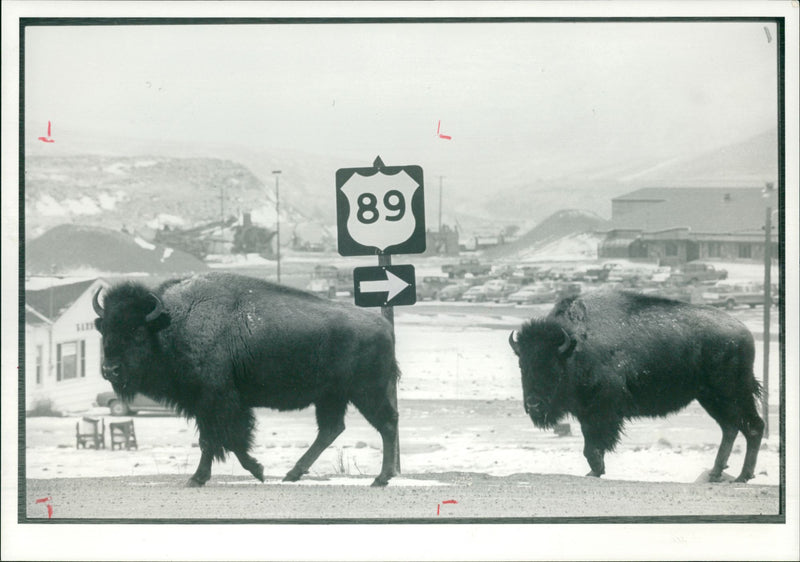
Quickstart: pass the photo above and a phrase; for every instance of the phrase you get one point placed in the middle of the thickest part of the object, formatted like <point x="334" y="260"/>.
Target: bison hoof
<point x="293" y="475"/>
<point x="258" y="472"/>
<point x="192" y="483"/>
<point x="744" y="478"/>
<point x="714" y="477"/>
<point x="380" y="482"/>
<point x="594" y="474"/>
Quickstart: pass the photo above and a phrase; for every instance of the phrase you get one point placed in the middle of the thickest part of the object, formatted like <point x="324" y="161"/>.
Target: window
<point x="671" y="249"/>
<point x="70" y="360"/>
<point x="714" y="249"/>
<point x="745" y="251"/>
<point x="39" y="363"/>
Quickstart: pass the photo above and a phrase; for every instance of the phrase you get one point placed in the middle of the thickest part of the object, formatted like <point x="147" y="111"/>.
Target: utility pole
<point x="277" y="173"/>
<point x="767" y="303"/>
<point x="440" y="203"/>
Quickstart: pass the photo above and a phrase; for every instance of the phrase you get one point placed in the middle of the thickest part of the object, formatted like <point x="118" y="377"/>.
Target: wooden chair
<point x="123" y="434"/>
<point x="90" y="432"/>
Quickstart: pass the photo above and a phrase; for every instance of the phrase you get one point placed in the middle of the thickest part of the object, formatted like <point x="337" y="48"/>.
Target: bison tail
<point x="757" y="388"/>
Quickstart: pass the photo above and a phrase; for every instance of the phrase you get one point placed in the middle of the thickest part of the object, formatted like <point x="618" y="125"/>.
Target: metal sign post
<point x="380" y="210"/>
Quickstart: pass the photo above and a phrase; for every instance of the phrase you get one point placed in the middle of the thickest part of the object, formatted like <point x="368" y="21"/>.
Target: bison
<point x="610" y="356"/>
<point x="217" y="345"/>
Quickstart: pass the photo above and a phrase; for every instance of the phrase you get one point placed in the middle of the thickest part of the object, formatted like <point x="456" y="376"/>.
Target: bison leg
<point x="731" y="422"/>
<point x="330" y="424"/>
<point x="380" y="410"/>
<point x="239" y="440"/>
<point x="726" y="445"/>
<point x="203" y="472"/>
<point x="597" y="442"/>
<point x="752" y="427"/>
<point x="250" y="464"/>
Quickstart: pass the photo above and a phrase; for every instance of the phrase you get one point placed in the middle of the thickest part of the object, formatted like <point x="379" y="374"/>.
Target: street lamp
<point x="276" y="173"/>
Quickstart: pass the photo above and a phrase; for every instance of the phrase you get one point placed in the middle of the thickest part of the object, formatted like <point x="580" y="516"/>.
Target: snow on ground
<point x="460" y="407"/>
<point x="577" y="247"/>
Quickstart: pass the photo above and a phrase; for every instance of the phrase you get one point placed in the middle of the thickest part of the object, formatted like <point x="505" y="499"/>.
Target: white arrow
<point x="392" y="284"/>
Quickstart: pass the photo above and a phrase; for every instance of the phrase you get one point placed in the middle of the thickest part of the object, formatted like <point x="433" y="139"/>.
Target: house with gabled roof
<point x="63" y="349"/>
<point x="676" y="225"/>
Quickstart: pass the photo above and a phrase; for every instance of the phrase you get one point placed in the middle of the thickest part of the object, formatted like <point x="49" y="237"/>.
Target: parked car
<point x="469" y="265"/>
<point x="534" y="294"/>
<point x="429" y="287"/>
<point x="731" y="295"/>
<point x="328" y="281"/>
<point x="140" y="403"/>
<point x="696" y="272"/>
<point x="452" y="292"/>
<point x="478" y="293"/>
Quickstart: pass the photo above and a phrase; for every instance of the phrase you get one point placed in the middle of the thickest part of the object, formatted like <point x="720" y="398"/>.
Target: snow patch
<point x="118" y="169"/>
<point x="144" y="243"/>
<point x="107" y="201"/>
<point x="83" y="206"/>
<point x="164" y="219"/>
<point x="49" y="207"/>
<point x="166" y="255"/>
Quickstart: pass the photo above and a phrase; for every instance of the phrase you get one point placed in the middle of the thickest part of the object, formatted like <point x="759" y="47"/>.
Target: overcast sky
<point x="550" y="95"/>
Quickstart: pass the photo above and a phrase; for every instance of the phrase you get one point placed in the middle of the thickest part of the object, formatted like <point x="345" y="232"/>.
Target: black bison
<point x="216" y="345"/>
<point x="609" y="356"/>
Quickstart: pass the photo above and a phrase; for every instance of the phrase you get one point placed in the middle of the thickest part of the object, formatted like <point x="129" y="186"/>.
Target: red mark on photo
<point x="47" y="500"/>
<point x="444" y="502"/>
<point x="47" y="138"/>
<point x="441" y="136"/>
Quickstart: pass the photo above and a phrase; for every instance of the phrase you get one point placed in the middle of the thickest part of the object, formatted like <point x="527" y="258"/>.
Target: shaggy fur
<point x="228" y="343"/>
<point x="626" y="355"/>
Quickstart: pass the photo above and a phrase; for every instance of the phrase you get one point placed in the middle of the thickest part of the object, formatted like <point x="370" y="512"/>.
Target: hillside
<point x="566" y="234"/>
<point x="142" y="194"/>
<point x="530" y="195"/>
<point x="70" y="250"/>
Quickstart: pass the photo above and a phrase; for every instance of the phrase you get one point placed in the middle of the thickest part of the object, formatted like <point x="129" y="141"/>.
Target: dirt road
<point x="466" y="497"/>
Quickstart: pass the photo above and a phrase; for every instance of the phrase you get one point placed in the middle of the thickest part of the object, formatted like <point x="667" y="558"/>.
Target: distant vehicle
<point x="731" y="295"/>
<point x="478" y="293"/>
<point x="534" y="294"/>
<point x="695" y="272"/>
<point x="328" y="281"/>
<point x="452" y="292"/>
<point x="528" y="274"/>
<point x="661" y="274"/>
<point x="140" y="403"/>
<point x="429" y="287"/>
<point x="472" y="266"/>
<point x="498" y="289"/>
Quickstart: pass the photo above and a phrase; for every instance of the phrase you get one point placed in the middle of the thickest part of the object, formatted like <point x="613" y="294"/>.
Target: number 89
<point x="393" y="201"/>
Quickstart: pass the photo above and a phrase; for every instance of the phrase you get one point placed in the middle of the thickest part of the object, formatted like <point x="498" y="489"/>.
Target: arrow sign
<point x="392" y="286"/>
<point x="387" y="285"/>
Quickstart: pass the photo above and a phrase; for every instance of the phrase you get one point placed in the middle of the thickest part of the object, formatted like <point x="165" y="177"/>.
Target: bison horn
<point x="513" y="341"/>
<point x="157" y="311"/>
<point x="566" y="344"/>
<point x="96" y="303"/>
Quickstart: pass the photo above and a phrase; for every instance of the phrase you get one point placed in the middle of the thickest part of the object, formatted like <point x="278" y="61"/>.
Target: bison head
<point x="128" y="321"/>
<point x="543" y="348"/>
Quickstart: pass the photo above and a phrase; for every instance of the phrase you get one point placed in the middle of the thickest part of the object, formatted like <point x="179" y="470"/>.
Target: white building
<point x="63" y="349"/>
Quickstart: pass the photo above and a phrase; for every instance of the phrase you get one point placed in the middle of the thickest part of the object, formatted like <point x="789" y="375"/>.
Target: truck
<point x="471" y="266"/>
<point x="328" y="281"/>
<point x="697" y="272"/>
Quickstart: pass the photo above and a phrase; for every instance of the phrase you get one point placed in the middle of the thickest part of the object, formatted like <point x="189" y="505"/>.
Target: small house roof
<point x="48" y="304"/>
